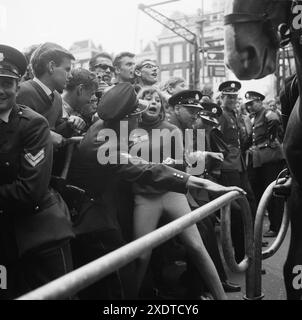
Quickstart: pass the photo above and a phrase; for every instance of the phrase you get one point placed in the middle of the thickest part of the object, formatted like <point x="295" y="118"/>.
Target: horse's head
<point x="251" y="35"/>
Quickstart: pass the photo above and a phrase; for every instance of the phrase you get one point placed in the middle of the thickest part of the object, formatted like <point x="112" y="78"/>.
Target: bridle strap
<point x="242" y="17"/>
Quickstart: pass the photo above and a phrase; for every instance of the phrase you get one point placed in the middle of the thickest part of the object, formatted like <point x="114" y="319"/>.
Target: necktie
<point x="51" y="97"/>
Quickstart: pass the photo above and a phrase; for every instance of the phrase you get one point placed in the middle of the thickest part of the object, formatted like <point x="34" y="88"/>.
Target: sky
<point x="117" y="25"/>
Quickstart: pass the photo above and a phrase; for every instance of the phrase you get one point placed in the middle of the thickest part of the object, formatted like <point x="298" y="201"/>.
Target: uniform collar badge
<point x="1" y="56"/>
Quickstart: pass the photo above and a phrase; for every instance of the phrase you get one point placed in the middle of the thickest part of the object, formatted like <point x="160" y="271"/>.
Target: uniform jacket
<point x="30" y="214"/>
<point x="265" y="125"/>
<point x="101" y="181"/>
<point x="32" y="95"/>
<point x="230" y="128"/>
<point x="265" y="147"/>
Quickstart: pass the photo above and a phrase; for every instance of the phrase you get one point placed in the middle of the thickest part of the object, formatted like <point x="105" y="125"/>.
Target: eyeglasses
<point x="150" y="66"/>
<point x="104" y="67"/>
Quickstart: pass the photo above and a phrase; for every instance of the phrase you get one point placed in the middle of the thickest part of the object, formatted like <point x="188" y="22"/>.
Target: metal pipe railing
<point x="83" y="277"/>
<point x="259" y="255"/>
<point x="247" y="265"/>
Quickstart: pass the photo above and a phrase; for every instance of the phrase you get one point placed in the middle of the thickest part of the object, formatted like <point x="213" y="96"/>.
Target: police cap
<point x="211" y="112"/>
<point x="119" y="102"/>
<point x="230" y="87"/>
<point x="186" y="98"/>
<point x="251" y="96"/>
<point x="12" y="62"/>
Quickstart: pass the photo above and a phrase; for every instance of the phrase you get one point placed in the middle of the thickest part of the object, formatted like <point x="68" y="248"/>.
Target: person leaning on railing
<point x="97" y="228"/>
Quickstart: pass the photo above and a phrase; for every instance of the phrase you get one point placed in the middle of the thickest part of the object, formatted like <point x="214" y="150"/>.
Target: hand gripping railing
<point x="83" y="277"/>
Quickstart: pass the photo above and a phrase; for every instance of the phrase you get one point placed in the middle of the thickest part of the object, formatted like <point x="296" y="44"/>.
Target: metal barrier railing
<point x="83" y="277"/>
<point x="259" y="255"/>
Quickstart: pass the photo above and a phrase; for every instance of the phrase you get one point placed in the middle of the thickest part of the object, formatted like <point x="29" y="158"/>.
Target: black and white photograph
<point x="150" y="153"/>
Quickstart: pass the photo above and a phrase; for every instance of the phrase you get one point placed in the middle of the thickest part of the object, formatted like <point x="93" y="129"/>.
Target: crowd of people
<point x="58" y="215"/>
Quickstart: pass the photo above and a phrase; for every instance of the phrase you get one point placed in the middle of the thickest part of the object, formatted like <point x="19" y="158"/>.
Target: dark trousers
<point x="89" y="247"/>
<point x="36" y="269"/>
<point x="239" y="179"/>
<point x="260" y="179"/>
<point x="294" y="257"/>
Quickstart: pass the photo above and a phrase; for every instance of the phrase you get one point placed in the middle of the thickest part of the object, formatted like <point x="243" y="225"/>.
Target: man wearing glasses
<point x="146" y="73"/>
<point x="102" y="66"/>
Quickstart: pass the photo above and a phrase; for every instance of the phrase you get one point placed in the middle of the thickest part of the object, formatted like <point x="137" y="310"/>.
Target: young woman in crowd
<point x="151" y="204"/>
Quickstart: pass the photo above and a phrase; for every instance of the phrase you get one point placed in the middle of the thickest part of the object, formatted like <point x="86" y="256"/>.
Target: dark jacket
<point x="230" y="128"/>
<point x="32" y="95"/>
<point x="101" y="181"/>
<point x="30" y="214"/>
<point x="265" y="126"/>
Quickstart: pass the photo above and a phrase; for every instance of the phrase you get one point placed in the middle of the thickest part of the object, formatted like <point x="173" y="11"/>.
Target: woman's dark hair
<point x="151" y="90"/>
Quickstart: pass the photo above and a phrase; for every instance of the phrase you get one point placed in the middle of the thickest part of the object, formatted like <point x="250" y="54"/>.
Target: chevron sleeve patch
<point x="34" y="160"/>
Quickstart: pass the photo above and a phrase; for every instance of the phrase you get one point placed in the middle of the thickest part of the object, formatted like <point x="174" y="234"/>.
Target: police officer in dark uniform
<point x="34" y="229"/>
<point x="214" y="139"/>
<point x="186" y="111"/>
<point x="233" y="170"/>
<point x="265" y="155"/>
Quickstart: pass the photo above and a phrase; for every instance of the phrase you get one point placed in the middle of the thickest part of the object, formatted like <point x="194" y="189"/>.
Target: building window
<point x="178" y="53"/>
<point x="177" y="73"/>
<point x="164" y="76"/>
<point x="165" y="55"/>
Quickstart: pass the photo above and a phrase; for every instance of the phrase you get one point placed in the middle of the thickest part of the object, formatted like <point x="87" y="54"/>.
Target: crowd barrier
<point x="70" y="284"/>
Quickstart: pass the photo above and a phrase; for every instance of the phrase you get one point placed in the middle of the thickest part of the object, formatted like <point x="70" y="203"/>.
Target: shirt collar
<point x="5" y="116"/>
<point x="43" y="86"/>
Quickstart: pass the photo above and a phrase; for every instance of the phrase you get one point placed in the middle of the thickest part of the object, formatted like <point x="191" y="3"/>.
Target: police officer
<point x="34" y="230"/>
<point x="265" y="155"/>
<point x="233" y="170"/>
<point x="215" y="144"/>
<point x="185" y="113"/>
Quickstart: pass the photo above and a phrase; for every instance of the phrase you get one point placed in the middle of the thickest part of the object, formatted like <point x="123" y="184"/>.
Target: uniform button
<point x="37" y="208"/>
<point x="175" y="174"/>
<point x="7" y="164"/>
<point x="92" y="200"/>
<point x="182" y="177"/>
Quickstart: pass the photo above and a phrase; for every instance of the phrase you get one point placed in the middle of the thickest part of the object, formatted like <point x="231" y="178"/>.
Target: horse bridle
<point x="280" y="37"/>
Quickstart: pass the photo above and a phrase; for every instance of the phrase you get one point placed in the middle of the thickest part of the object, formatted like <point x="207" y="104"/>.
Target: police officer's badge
<point x="35" y="160"/>
<point x="214" y="110"/>
<point x="233" y="85"/>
